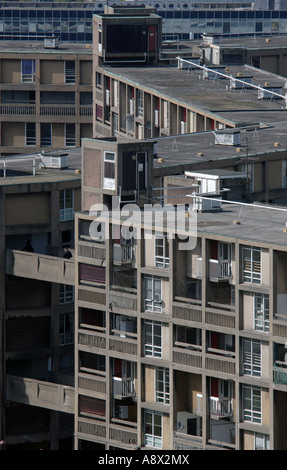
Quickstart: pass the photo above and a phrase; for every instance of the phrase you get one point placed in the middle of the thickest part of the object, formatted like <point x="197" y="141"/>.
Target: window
<point x="252" y="357"/>
<point x="139" y="103"/>
<point x="66" y="329"/>
<point x="66" y="294"/>
<point x="99" y="80"/>
<point x="262" y="441"/>
<point x="261" y="312"/>
<point x="161" y="251"/>
<point x="66" y="204"/>
<point x="152" y="339"/>
<point x="153" y="429"/>
<point x="28" y="71"/>
<point x="252" y="404"/>
<point x="30" y="133"/>
<point x="70" y="135"/>
<point x="109" y="170"/>
<point x="251" y="264"/>
<point x="46" y="134"/>
<point x="70" y="73"/>
<point x="152" y="293"/>
<point x="162" y="393"/>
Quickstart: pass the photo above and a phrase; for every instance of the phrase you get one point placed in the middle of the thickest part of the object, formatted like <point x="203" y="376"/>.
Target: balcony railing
<point x="280" y="372"/>
<point x="124" y="387"/>
<point x="123" y="253"/>
<point x="22" y="109"/>
<point x="219" y="407"/>
<point x="218" y="269"/>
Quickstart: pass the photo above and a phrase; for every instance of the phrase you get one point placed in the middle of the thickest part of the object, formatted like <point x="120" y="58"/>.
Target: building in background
<point x="183" y="19"/>
<point x="46" y="95"/>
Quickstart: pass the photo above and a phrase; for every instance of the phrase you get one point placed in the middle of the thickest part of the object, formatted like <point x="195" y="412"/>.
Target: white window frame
<point x="162" y="385"/>
<point x="109" y="183"/>
<point x="66" y="294"/>
<point x="252" y="274"/>
<point x="70" y="141"/>
<point x="30" y="141"/>
<point x="152" y="339"/>
<point x="153" y="438"/>
<point x="251" y="396"/>
<point x="251" y="357"/>
<point x="153" y="293"/>
<point x="261" y="314"/>
<point x="66" y="204"/>
<point x="161" y="245"/>
<point x="70" y="72"/>
<point x="28" y="77"/>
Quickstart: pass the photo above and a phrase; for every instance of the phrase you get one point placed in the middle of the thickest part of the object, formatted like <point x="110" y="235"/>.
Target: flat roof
<point x="215" y="98"/>
<point x="255" y="42"/>
<point x="20" y="169"/>
<point x="257" y="223"/>
<point x="39" y="47"/>
<point x="199" y="149"/>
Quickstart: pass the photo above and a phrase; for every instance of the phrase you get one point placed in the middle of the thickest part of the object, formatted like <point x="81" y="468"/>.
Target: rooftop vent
<point x="51" y="42"/>
<point x="227" y="137"/>
<point x="54" y="160"/>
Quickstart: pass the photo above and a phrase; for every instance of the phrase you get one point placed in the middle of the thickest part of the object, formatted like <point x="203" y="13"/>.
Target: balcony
<point x="280" y="373"/>
<point x="123" y="254"/>
<point x="40" y="393"/>
<point x="39" y="266"/>
<point x="124" y="387"/>
<point x="219" y="270"/>
<point x="220" y="408"/>
<point x="23" y="109"/>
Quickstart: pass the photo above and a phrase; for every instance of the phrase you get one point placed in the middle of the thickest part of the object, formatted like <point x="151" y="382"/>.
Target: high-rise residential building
<point x="167" y="327"/>
<point x="45" y="95"/>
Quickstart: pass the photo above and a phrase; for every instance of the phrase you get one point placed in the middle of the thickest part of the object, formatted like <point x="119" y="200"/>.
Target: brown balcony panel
<point x="39" y="266"/>
<point x="225" y="365"/>
<point x="39" y="393"/>
<point x="91" y="429"/>
<point x="92" y="340"/>
<point x="125" y="301"/>
<point x="93" y="296"/>
<point x="121" y="435"/>
<point x="224" y="319"/>
<point x="94" y="384"/>
<point x="124" y="346"/>
<point x="191" y="359"/>
<point x="92" y="251"/>
<point x="188" y="313"/>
